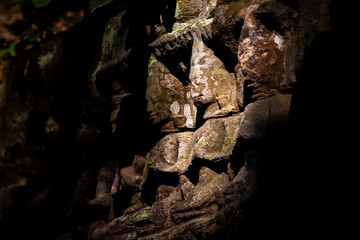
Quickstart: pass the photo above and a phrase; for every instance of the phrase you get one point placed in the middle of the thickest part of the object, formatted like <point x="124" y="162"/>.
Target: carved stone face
<point x="201" y="73"/>
<point x="264" y="44"/>
<point x="173" y="45"/>
<point x="169" y="102"/>
<point x="197" y="167"/>
<point x="211" y="83"/>
<point x="212" y="86"/>
<point x="173" y="153"/>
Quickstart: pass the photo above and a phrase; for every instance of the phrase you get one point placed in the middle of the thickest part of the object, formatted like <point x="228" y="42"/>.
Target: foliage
<point x="9" y="49"/>
<point x="94" y="4"/>
<point x="41" y="3"/>
<point x="36" y="26"/>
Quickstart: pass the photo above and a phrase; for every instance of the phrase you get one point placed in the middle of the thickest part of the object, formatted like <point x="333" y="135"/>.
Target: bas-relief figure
<point x="211" y="84"/>
<point x="263" y="48"/>
<point x="196" y="179"/>
<point x="168" y="100"/>
<point x="175" y="106"/>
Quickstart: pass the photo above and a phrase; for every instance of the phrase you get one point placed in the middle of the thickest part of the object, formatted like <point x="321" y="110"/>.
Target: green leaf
<point x="94" y="4"/>
<point x="3" y="52"/>
<point x="12" y="48"/>
<point x="28" y="31"/>
<point x="41" y="3"/>
<point x="69" y="19"/>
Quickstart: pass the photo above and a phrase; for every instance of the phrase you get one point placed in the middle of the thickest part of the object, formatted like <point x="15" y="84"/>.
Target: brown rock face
<point x="216" y="139"/>
<point x="266" y="32"/>
<point x="263" y="117"/>
<point x="187" y="9"/>
<point x="211" y="83"/>
<point x="193" y="179"/>
<point x="168" y="99"/>
<point x="133" y="175"/>
<point x="205" y="165"/>
<point x="176" y="128"/>
<point x="173" y="153"/>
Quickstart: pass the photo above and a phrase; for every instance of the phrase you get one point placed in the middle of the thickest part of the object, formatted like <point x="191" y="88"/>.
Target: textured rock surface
<point x="134" y="174"/>
<point x="173" y="153"/>
<point x="168" y="100"/>
<point x="187" y="9"/>
<point x="196" y="182"/>
<point x="266" y="32"/>
<point x="211" y="83"/>
<point x="265" y="116"/>
<point x="216" y="139"/>
<point x="172" y="125"/>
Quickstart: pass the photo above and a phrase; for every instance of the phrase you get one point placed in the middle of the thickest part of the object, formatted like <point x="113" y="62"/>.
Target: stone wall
<point x="211" y="111"/>
<point x="173" y="121"/>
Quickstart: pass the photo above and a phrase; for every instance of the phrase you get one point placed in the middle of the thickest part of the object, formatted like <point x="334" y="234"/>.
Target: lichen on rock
<point x="173" y="153"/>
<point x="167" y="99"/>
<point x="198" y="94"/>
<point x="211" y="83"/>
<point x="216" y="139"/>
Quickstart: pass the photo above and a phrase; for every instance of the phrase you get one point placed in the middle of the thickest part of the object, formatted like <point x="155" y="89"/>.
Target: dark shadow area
<point x="304" y="188"/>
<point x="192" y="172"/>
<point x="157" y="179"/>
<point x="168" y="14"/>
<point x="178" y="62"/>
<point x="84" y="142"/>
<point x="237" y="159"/>
<point x="225" y="44"/>
<point x="122" y="200"/>
<point x="291" y="3"/>
<point x="306" y="169"/>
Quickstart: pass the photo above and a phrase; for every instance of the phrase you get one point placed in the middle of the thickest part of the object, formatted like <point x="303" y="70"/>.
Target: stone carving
<point x="103" y="187"/>
<point x="191" y="16"/>
<point x="257" y="40"/>
<point x="206" y="193"/>
<point x="113" y="52"/>
<point x="173" y="153"/>
<point x="187" y="10"/>
<point x="174" y="101"/>
<point x="216" y="139"/>
<point x="182" y="86"/>
<point x="169" y="102"/>
<point x="265" y="37"/>
<point x="218" y="85"/>
<point x="134" y="174"/>
<point x="211" y="84"/>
